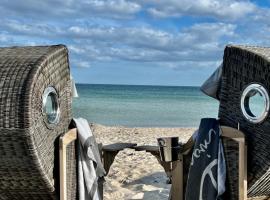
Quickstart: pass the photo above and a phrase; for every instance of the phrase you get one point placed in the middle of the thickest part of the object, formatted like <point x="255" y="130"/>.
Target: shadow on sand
<point x="152" y="187"/>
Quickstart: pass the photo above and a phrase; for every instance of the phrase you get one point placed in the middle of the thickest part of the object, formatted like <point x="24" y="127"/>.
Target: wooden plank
<point x="241" y="170"/>
<point x="66" y="139"/>
<point x="117" y="146"/>
<point x="62" y="156"/>
<point x="177" y="189"/>
<point x="239" y="137"/>
<point x="147" y="148"/>
<point x="231" y="132"/>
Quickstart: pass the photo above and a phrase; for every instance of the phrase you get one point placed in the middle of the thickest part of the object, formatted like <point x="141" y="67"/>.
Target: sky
<point x="151" y="42"/>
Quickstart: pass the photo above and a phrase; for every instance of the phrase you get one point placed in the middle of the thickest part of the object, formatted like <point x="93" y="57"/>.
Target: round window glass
<point x="51" y="105"/>
<point x="255" y="103"/>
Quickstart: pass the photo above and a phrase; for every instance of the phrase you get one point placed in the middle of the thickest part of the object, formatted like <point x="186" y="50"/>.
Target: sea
<point x="143" y="106"/>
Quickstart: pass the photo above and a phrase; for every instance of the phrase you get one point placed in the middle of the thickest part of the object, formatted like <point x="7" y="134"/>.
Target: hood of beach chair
<point x="29" y="77"/>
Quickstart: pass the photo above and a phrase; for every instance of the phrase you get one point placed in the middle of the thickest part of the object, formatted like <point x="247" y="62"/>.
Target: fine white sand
<point x="136" y="175"/>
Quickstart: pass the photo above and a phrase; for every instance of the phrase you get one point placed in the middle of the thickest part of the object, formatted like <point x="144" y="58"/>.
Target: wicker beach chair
<point x="31" y="77"/>
<point x="246" y="137"/>
<point x="35" y="114"/>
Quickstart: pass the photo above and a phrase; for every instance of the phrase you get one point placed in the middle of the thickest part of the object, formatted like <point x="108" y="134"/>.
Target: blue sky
<point x="151" y="42"/>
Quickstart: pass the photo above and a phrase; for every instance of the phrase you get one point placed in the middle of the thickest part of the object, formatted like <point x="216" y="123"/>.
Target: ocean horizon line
<point x="107" y="84"/>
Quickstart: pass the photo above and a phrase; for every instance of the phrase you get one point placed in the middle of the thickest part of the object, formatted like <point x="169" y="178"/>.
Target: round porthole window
<point x="255" y="103"/>
<point x="51" y="105"/>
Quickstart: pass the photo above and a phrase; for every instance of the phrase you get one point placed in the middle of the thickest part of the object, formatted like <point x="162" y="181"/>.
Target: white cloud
<point x="225" y="10"/>
<point x="261" y="16"/>
<point x="198" y="36"/>
<point x="81" y="64"/>
<point x="69" y="9"/>
<point x="114" y="7"/>
<point x="5" y="38"/>
<point x="30" y="29"/>
<point x="201" y="42"/>
<point x="125" y="9"/>
<point x="190" y="65"/>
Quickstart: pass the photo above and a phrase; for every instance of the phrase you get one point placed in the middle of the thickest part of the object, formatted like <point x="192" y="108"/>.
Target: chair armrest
<point x="117" y="146"/>
<point x="65" y="140"/>
<point x="239" y="137"/>
<point x="154" y="150"/>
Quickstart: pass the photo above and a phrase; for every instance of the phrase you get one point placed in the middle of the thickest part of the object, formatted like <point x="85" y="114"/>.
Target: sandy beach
<point x="136" y="175"/>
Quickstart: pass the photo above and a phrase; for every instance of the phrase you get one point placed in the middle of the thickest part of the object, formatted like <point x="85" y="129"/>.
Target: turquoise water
<point x="143" y="106"/>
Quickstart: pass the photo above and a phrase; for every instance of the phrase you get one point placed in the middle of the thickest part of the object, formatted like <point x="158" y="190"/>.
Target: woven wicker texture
<point x="244" y="65"/>
<point x="28" y="144"/>
<point x="231" y="156"/>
